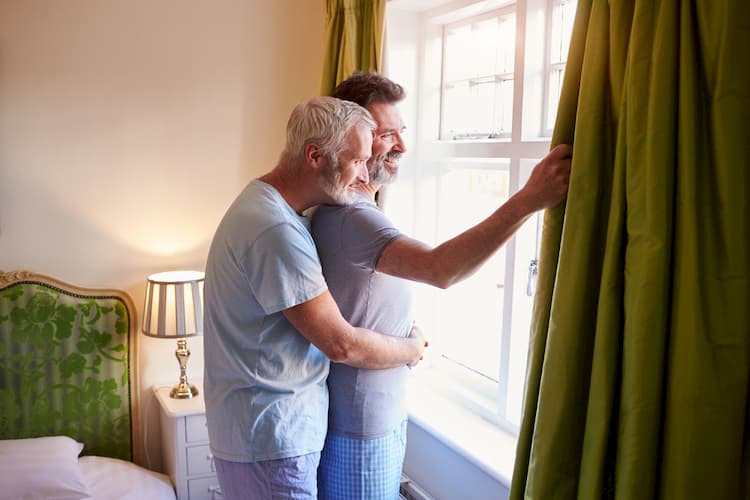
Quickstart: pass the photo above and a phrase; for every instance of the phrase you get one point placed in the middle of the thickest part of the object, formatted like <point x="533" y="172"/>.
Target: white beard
<point x="330" y="181"/>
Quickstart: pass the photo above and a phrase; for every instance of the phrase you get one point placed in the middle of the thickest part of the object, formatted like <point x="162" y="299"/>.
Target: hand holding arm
<point x="416" y="333"/>
<point x="320" y="321"/>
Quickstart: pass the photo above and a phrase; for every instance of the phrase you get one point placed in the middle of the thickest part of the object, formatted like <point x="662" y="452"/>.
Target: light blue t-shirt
<point x="364" y="404"/>
<point x="265" y="384"/>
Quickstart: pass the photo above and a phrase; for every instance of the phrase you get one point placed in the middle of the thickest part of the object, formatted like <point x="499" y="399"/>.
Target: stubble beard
<point x="379" y="173"/>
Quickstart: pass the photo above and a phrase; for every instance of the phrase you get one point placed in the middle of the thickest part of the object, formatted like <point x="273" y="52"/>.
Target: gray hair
<point x="325" y="121"/>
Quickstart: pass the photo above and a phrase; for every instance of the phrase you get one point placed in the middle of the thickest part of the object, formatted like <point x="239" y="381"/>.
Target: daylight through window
<point x="484" y="99"/>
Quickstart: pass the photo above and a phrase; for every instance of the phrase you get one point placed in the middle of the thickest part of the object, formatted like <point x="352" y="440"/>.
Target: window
<point x="484" y="82"/>
<point x="561" y="26"/>
<point x="478" y="90"/>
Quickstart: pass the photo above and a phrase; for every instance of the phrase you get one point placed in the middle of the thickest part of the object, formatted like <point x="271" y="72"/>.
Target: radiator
<point x="412" y="491"/>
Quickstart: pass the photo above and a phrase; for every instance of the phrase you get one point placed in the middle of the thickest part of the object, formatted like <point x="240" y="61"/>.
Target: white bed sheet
<point x="110" y="479"/>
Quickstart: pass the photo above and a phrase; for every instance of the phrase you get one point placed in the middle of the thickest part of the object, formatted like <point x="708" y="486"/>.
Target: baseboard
<point x="412" y="491"/>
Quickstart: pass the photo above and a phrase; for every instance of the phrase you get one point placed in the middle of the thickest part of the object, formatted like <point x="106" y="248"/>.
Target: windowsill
<point x="494" y="140"/>
<point x="482" y="443"/>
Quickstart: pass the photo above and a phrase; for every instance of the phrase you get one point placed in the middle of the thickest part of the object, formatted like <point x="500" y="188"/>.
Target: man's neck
<point x="294" y="187"/>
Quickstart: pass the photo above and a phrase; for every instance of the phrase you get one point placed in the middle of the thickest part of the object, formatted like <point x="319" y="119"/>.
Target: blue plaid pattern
<point x="364" y="469"/>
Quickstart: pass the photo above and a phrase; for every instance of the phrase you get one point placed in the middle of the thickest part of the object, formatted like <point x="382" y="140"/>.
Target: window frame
<point x="550" y="66"/>
<point x="497" y="13"/>
<point x="526" y="142"/>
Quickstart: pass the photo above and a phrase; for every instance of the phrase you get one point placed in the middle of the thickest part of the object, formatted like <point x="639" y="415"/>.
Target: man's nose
<point x="363" y="175"/>
<point x="400" y="145"/>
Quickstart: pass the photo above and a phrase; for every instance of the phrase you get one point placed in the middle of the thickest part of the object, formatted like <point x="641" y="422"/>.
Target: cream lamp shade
<point x="174" y="310"/>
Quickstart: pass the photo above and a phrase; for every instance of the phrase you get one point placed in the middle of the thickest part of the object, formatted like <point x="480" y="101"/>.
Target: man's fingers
<point x="562" y="151"/>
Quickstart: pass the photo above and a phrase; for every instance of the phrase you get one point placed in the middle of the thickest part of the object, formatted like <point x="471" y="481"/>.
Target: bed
<point x="68" y="393"/>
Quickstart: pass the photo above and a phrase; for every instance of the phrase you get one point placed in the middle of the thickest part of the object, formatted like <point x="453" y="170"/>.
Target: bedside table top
<point x="180" y="407"/>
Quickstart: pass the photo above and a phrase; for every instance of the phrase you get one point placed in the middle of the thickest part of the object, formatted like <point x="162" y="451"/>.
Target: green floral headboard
<point x="65" y="363"/>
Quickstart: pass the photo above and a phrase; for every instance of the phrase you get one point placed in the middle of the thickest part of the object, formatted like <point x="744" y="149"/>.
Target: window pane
<point x="553" y="95"/>
<point x="479" y="329"/>
<point x="457" y="117"/>
<point x="469" y="315"/>
<point x="503" y="106"/>
<point x="563" y="15"/>
<point x="478" y="78"/>
<point x="457" y="45"/>
<point x="528" y="240"/>
<point x="479" y="108"/>
<point x="562" y="18"/>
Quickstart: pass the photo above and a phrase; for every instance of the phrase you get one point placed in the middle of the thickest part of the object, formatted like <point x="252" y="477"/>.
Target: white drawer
<point x="199" y="460"/>
<point x="195" y="429"/>
<point x="205" y="488"/>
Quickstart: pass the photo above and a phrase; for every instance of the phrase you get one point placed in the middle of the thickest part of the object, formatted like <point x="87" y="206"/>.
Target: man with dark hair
<point x="271" y="325"/>
<point x="364" y="258"/>
<point x="379" y="96"/>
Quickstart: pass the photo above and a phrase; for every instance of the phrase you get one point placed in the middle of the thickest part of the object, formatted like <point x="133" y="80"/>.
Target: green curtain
<point x="639" y="364"/>
<point x="354" y="40"/>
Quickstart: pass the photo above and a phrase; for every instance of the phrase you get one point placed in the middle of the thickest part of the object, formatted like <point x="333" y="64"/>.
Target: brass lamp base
<point x="183" y="391"/>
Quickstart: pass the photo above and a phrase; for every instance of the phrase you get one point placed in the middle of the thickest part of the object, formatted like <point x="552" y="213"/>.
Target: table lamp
<point x="174" y="310"/>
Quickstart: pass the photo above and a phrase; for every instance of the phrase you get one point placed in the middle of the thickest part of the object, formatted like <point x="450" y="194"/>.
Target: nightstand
<point x="184" y="446"/>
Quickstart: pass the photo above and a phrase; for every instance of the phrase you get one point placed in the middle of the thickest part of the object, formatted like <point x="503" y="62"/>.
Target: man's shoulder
<point x="256" y="220"/>
<point x="333" y="220"/>
<point x="356" y="209"/>
<point x="260" y="206"/>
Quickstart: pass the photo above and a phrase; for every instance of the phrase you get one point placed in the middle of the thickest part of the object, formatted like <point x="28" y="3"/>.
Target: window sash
<point x="501" y="119"/>
<point x="489" y="396"/>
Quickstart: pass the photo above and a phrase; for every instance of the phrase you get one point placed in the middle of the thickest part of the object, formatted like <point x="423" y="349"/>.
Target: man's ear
<point x="315" y="156"/>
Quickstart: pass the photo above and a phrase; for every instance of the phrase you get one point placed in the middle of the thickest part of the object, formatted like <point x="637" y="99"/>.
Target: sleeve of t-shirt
<point x="365" y="232"/>
<point x="283" y="268"/>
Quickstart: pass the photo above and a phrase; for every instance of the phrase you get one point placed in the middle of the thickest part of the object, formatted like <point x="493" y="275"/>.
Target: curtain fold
<point x="638" y="381"/>
<point x="354" y="40"/>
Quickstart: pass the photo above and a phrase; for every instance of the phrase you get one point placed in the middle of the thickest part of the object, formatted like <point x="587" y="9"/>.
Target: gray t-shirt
<point x="363" y="403"/>
<point x="265" y="389"/>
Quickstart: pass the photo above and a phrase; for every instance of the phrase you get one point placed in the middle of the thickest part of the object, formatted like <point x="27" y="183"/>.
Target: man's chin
<point x="346" y="197"/>
<point x="390" y="172"/>
<point x="385" y="178"/>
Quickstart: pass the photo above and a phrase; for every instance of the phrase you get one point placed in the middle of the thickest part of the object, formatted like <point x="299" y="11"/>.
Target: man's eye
<point x="390" y="135"/>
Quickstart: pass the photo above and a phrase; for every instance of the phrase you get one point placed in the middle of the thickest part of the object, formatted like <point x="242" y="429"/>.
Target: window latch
<point x="531" y="282"/>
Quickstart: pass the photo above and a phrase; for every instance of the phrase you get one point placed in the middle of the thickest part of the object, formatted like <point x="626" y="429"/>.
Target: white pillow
<point x="113" y="478"/>
<point x="41" y="468"/>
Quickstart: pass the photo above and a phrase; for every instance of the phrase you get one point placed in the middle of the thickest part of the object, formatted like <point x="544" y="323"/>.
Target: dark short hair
<point x="367" y="87"/>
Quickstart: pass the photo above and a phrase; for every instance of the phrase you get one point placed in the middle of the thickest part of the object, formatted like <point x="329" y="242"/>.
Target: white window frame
<point x="549" y="67"/>
<point x="500" y="12"/>
<point x="431" y="151"/>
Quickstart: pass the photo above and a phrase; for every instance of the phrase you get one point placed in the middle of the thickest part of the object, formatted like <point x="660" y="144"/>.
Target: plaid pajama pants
<point x="362" y="469"/>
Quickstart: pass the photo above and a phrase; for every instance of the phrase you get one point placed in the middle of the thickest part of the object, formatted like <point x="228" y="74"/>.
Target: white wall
<point x="127" y="128"/>
<point x="444" y="472"/>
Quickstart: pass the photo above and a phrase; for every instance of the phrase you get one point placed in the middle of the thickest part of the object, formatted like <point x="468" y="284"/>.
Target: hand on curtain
<point x="638" y="383"/>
